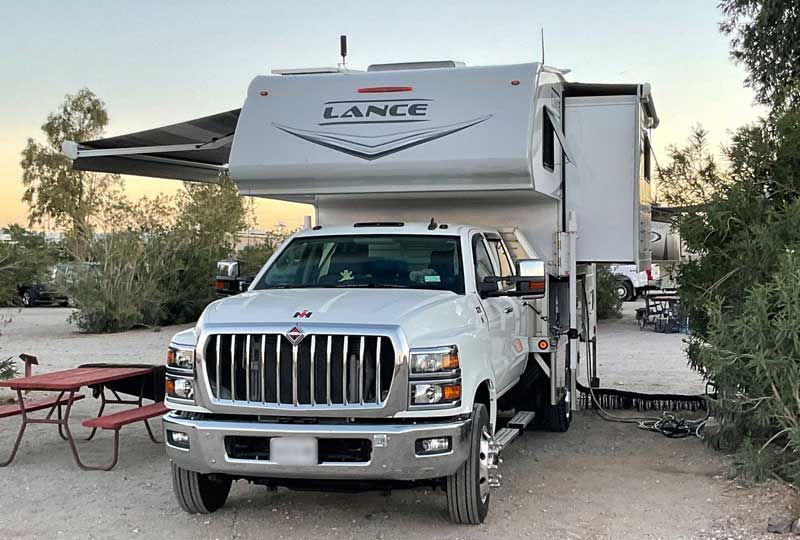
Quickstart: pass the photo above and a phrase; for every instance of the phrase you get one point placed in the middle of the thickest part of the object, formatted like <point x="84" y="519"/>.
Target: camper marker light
<point x="543" y="344"/>
<point x="263" y="93"/>
<point x="515" y="83"/>
<point x="384" y="89"/>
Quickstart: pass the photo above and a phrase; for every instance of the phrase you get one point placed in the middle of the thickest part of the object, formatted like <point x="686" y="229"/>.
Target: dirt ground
<point x="600" y="480"/>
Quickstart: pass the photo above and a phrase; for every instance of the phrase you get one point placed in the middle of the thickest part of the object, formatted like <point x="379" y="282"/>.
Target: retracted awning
<point x="195" y="150"/>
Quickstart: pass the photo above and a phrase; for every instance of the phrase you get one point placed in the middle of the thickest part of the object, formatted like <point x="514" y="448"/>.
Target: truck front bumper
<point x="392" y="456"/>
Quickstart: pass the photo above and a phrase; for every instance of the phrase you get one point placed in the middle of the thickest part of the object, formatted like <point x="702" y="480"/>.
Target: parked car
<point x="49" y="291"/>
<point x="631" y="283"/>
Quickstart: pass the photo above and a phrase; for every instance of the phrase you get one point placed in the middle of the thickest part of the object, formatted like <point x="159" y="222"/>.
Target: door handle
<point x="509" y="309"/>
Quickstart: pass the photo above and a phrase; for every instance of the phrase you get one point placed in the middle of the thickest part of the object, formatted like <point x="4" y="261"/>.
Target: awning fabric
<point x="195" y="150"/>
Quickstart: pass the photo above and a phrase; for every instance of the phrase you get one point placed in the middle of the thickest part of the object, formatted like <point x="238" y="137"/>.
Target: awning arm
<point x="73" y="150"/>
<point x="562" y="138"/>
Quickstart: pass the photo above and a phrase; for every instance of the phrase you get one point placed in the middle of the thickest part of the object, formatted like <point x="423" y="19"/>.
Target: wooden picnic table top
<point x="74" y="379"/>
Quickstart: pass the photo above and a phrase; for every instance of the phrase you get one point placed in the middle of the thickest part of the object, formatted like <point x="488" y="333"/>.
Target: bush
<point x="609" y="305"/>
<point x="157" y="266"/>
<point x="753" y="354"/>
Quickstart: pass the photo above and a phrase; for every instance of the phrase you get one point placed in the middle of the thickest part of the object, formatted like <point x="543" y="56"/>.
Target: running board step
<point x="521" y="420"/>
<point x="505" y="437"/>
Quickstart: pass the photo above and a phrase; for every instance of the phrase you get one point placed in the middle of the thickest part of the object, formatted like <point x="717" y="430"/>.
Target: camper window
<point x="646" y="150"/>
<point x="548" y="143"/>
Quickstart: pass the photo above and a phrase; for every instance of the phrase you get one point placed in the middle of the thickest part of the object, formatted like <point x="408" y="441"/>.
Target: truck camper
<point x="443" y="300"/>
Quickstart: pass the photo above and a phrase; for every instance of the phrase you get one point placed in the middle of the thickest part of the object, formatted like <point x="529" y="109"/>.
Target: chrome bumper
<point x="393" y="455"/>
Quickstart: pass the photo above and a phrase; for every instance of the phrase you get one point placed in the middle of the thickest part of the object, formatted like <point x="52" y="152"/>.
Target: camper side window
<point x="548" y="143"/>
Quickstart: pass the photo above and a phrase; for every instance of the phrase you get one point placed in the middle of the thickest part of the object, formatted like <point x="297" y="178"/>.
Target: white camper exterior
<point x="482" y="196"/>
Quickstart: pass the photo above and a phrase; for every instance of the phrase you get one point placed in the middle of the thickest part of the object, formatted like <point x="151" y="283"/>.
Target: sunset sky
<point x="156" y="63"/>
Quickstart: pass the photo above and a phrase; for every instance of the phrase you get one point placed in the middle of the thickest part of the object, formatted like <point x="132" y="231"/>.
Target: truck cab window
<point x="506" y="268"/>
<point x="483" y="262"/>
<point x="372" y="261"/>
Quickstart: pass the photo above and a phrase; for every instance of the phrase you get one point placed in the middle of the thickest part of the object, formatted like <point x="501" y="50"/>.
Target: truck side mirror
<point x="227" y="281"/>
<point x="531" y="278"/>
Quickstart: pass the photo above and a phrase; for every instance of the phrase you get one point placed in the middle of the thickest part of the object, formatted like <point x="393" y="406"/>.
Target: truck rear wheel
<point x="199" y="493"/>
<point x="468" y="489"/>
<point x="558" y="417"/>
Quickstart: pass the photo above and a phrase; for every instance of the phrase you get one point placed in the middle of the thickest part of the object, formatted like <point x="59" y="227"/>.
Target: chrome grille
<point x="320" y="370"/>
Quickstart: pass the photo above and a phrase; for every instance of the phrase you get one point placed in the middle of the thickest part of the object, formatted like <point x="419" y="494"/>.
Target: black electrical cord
<point x="669" y="424"/>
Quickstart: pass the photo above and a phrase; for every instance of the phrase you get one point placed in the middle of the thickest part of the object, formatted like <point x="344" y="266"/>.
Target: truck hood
<point x="325" y="306"/>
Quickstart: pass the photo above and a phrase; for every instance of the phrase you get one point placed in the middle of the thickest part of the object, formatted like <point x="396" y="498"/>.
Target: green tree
<point x="691" y="175"/>
<point x="53" y="190"/>
<point x="765" y="38"/>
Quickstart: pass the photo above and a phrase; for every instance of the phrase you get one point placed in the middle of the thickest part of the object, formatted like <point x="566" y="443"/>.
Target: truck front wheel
<point x="468" y="489"/>
<point x="199" y="493"/>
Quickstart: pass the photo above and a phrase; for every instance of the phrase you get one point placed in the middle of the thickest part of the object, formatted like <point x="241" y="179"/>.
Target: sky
<point x="159" y="62"/>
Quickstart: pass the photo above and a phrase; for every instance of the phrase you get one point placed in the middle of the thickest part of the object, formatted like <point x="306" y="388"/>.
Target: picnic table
<point x="661" y="311"/>
<point x="67" y="383"/>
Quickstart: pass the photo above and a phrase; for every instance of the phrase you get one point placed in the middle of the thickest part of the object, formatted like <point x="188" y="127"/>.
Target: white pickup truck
<point x="380" y="347"/>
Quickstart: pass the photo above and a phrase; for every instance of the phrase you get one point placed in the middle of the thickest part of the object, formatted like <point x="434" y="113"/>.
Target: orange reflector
<point x="170" y="386"/>
<point x="451" y="392"/>
<point x="514" y="83"/>
<point x="543" y="344"/>
<point x="384" y="89"/>
<point x="537" y="286"/>
<point x="450" y="361"/>
<point x="170" y="356"/>
<point x="219" y="285"/>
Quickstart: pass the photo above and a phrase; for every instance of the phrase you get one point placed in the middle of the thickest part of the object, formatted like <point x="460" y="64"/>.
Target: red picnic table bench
<point x="67" y="383"/>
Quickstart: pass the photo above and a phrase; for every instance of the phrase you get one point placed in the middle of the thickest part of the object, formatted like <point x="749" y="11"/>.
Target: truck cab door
<point x="502" y="315"/>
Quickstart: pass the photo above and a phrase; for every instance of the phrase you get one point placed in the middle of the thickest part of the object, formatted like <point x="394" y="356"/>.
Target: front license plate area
<point x="294" y="450"/>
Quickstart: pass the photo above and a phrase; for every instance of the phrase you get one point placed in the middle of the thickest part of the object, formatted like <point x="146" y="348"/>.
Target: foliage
<point x="753" y="354"/>
<point x="765" y="37"/>
<point x="742" y="294"/>
<point x="8" y="368"/>
<point x="24" y="260"/>
<point x="156" y="265"/>
<point x="692" y="174"/>
<point x="609" y="305"/>
<point x="53" y="190"/>
<point x="253" y="256"/>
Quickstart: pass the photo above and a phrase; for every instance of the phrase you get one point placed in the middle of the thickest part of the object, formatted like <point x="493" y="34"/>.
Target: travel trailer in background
<point x="446" y="285"/>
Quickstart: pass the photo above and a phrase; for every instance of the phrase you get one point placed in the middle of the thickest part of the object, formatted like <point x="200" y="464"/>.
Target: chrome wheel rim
<point x="484" y="457"/>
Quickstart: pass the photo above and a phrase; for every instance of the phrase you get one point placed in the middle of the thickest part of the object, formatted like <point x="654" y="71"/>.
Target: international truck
<point x="441" y="302"/>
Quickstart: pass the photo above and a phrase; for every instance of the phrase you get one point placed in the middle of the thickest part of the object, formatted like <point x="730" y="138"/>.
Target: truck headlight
<point x="435" y="394"/>
<point x="434" y="361"/>
<point x="180" y="358"/>
<point x="180" y="388"/>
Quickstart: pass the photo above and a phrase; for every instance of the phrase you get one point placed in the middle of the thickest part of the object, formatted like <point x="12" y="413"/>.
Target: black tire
<point x="199" y="493"/>
<point x="624" y="291"/>
<point x="465" y="502"/>
<point x="558" y="417"/>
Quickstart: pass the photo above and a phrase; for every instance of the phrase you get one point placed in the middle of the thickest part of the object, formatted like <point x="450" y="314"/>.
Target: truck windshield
<point x="391" y="261"/>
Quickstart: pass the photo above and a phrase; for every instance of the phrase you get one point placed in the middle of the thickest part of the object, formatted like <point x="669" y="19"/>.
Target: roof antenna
<point x="343" y="49"/>
<point x="542" y="31"/>
<point x="432" y="226"/>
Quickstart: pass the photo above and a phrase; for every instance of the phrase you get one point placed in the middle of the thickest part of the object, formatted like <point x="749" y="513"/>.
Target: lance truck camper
<point x="444" y="299"/>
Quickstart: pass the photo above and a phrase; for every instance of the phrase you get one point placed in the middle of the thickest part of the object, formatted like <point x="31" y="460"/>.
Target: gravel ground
<point x="598" y="481"/>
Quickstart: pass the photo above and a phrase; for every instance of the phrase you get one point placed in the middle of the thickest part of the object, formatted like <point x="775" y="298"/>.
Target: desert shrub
<point x="609" y="305"/>
<point x="156" y="264"/>
<point x="753" y="356"/>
